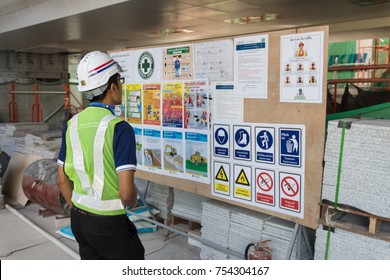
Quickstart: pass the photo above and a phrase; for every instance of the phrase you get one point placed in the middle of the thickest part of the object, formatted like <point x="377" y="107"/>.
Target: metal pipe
<point x="206" y="242"/>
<point x="61" y="245"/>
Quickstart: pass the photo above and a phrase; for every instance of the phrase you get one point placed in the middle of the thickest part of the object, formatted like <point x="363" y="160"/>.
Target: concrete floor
<point x="21" y="241"/>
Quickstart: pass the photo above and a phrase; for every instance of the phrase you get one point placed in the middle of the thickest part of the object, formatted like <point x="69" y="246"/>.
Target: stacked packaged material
<point x="363" y="185"/>
<point x="156" y="195"/>
<point x="188" y="205"/>
<point x="38" y="145"/>
<point x="345" y="245"/>
<point x="280" y="233"/>
<point x="29" y="138"/>
<point x="365" y="163"/>
<point x="215" y="228"/>
<point x="246" y="226"/>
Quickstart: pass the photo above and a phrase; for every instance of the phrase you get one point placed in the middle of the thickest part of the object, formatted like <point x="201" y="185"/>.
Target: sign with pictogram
<point x="265" y="144"/>
<point x="265" y="186"/>
<point x="242" y="188"/>
<point x="221" y="143"/>
<point x="221" y="174"/>
<point x="221" y="178"/>
<point x="242" y="142"/>
<point x="290" y="191"/>
<point x="291" y="146"/>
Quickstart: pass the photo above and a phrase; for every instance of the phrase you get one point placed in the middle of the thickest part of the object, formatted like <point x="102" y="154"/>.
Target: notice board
<point x="277" y="172"/>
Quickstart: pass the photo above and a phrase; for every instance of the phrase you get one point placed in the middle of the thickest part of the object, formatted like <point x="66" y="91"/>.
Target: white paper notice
<point x="214" y="60"/>
<point x="124" y="59"/>
<point x="301" y="64"/>
<point x="251" y="66"/>
<point x="227" y="107"/>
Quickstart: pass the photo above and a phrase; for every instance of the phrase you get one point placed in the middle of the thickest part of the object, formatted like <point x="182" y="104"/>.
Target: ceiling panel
<point x="138" y="23"/>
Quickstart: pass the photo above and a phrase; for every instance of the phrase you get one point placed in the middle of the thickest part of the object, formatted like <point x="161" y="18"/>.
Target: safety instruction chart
<point x="301" y="67"/>
<point x="173" y="153"/>
<point x="197" y="154"/>
<point x="270" y="175"/>
<point x="172" y="104"/>
<point x="133" y="97"/>
<point x="196" y="105"/>
<point x="214" y="60"/>
<point x="178" y="63"/>
<point x="151" y="100"/>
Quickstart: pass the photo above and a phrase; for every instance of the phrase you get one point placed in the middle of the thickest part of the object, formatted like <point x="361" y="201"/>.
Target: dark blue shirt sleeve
<point x="62" y="153"/>
<point x="124" y="147"/>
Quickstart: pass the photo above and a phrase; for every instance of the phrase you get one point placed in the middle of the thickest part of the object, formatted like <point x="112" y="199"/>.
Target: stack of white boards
<point x="246" y="226"/>
<point x="234" y="228"/>
<point x="188" y="205"/>
<point x="215" y="228"/>
<point x="363" y="174"/>
<point x="156" y="195"/>
<point x="365" y="177"/>
<point x="345" y="245"/>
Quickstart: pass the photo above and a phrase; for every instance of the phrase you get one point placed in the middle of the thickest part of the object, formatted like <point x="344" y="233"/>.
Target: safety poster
<point x="260" y="164"/>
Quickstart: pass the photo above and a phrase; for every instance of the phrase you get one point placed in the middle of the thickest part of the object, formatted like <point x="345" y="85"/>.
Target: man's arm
<point x="66" y="186"/>
<point x="127" y="188"/>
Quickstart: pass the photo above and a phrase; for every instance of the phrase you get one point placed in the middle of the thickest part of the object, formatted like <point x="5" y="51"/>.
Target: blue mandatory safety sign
<point x="265" y="146"/>
<point x="221" y="136"/>
<point x="290" y="147"/>
<point x="221" y="141"/>
<point x="242" y="140"/>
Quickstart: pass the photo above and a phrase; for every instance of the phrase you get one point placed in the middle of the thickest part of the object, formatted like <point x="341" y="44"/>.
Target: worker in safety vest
<point x="96" y="166"/>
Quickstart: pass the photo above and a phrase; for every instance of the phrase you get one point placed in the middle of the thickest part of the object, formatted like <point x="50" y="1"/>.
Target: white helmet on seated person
<point x="93" y="73"/>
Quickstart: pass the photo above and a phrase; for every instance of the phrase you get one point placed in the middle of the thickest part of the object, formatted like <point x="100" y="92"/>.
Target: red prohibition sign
<point x="265" y="182"/>
<point x="290" y="186"/>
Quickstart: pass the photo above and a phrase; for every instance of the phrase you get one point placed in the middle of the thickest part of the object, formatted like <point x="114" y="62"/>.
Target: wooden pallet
<point x="192" y="225"/>
<point x="354" y="220"/>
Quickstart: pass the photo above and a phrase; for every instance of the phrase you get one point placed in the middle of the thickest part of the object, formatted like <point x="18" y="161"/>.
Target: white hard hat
<point x="94" y="71"/>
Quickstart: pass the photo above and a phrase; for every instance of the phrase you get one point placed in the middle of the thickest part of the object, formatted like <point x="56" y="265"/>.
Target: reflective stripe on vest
<point x="93" y="199"/>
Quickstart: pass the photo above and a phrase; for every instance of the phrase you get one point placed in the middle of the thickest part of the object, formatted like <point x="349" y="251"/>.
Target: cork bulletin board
<point x="282" y="106"/>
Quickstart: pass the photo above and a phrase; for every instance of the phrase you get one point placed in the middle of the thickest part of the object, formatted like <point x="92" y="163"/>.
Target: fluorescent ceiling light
<point x="254" y="19"/>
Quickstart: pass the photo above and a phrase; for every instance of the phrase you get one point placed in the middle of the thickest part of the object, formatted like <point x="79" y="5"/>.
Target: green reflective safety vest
<point x="90" y="164"/>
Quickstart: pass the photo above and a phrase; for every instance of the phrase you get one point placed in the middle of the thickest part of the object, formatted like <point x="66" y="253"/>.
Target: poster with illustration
<point x="173" y="151"/>
<point x="134" y="103"/>
<point x="197" y="156"/>
<point x="151" y="104"/>
<point x="152" y="149"/>
<point x="172" y="107"/>
<point x="301" y="64"/>
<point x="196" y="95"/>
<point x="178" y="63"/>
<point x="138" y="145"/>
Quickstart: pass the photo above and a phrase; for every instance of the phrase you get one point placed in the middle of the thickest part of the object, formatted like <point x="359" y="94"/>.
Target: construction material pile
<point x="356" y="176"/>
<point x="156" y="195"/>
<point x="365" y="165"/>
<point x="188" y="205"/>
<point x="30" y="138"/>
<point x="237" y="227"/>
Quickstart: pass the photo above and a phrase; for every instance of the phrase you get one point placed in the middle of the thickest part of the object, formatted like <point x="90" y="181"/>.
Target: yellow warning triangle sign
<point x="242" y="179"/>
<point x="221" y="175"/>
